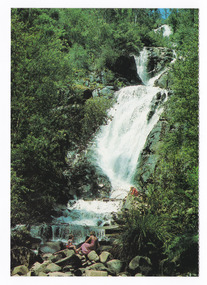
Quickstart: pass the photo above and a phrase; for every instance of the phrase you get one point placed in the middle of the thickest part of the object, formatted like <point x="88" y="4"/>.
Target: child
<point x="69" y="245"/>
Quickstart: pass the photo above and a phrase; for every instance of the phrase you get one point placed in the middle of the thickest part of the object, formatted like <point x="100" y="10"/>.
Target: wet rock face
<point x="125" y="66"/>
<point x="84" y="179"/>
<point x="148" y="159"/>
<point x="164" y="81"/>
<point x="158" y="58"/>
<point x="23" y="256"/>
<point x="156" y="102"/>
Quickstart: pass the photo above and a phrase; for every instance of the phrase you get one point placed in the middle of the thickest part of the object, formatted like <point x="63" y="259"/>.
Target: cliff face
<point x="159" y="59"/>
<point x="148" y="159"/>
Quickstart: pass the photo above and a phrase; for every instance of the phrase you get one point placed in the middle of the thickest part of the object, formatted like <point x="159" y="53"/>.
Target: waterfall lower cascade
<point x="116" y="149"/>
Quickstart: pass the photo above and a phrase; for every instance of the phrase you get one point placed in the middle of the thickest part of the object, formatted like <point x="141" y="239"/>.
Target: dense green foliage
<point x="172" y="217"/>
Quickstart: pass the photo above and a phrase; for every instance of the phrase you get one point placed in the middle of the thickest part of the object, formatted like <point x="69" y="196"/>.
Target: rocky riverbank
<point x="67" y="263"/>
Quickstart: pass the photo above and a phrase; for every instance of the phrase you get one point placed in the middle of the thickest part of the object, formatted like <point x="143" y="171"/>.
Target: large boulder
<point x="97" y="266"/>
<point x="106" y="92"/>
<point x="140" y="264"/>
<point x="59" y="274"/>
<point x="71" y="259"/>
<point x="20" y="270"/>
<point x="167" y="267"/>
<point x="105" y="256"/>
<point x="93" y="256"/>
<point x="51" y="246"/>
<point x="21" y="237"/>
<point x="115" y="266"/>
<point x="52" y="267"/>
<point x="23" y="256"/>
<point x="38" y="268"/>
<point x="93" y="273"/>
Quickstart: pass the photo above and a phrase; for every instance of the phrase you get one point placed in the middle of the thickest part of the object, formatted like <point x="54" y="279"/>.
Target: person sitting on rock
<point x="69" y="245"/>
<point x="90" y="244"/>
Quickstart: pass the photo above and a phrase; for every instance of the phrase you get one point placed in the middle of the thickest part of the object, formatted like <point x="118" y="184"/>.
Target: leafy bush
<point x="95" y="115"/>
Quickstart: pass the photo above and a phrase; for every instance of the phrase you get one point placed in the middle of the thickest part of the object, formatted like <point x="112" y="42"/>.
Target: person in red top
<point x="70" y="244"/>
<point x="134" y="191"/>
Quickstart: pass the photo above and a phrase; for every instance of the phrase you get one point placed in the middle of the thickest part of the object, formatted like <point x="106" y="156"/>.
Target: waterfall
<point x="141" y="63"/>
<point x="119" y="143"/>
<point x="116" y="150"/>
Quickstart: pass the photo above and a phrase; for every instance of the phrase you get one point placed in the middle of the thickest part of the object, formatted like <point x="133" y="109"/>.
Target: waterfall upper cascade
<point x="116" y="149"/>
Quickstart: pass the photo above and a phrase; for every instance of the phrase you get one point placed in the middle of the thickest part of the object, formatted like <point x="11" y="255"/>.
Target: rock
<point x="57" y="257"/>
<point x="148" y="159"/>
<point x="39" y="267"/>
<point x="93" y="256"/>
<point x="23" y="256"/>
<point x="47" y="256"/>
<point x="68" y="274"/>
<point x="106" y="248"/>
<point x="36" y="267"/>
<point x="20" y="270"/>
<point x="107" y="92"/>
<point x="134" y="263"/>
<point x="158" y="57"/>
<point x="97" y="266"/>
<point x="95" y="93"/>
<point x="78" y="272"/>
<point x="51" y="247"/>
<point x="138" y="275"/>
<point x="58" y="274"/>
<point x="71" y="259"/>
<point x="42" y="274"/>
<point x="140" y="264"/>
<point x="167" y="267"/>
<point x="164" y="81"/>
<point x="52" y="267"/>
<point x="68" y="252"/>
<point x="156" y="102"/>
<point x="125" y="66"/>
<point x="93" y="273"/>
<point x="21" y="237"/>
<point x="115" y="266"/>
<point x="67" y="268"/>
<point x="105" y="256"/>
<point x="16" y="275"/>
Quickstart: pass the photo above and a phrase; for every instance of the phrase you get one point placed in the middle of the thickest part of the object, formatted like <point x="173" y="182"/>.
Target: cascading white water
<point x="141" y="61"/>
<point x="119" y="143"/>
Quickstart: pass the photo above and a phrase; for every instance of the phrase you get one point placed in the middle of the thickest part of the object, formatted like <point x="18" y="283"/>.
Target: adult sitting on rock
<point x="90" y="244"/>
